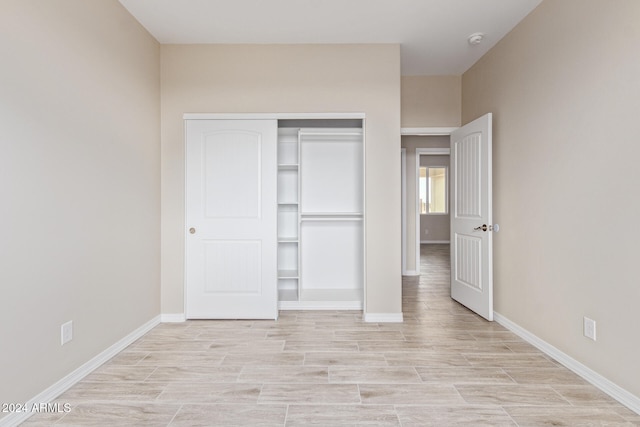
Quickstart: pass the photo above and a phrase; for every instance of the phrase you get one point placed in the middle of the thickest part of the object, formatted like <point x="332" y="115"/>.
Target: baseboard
<point x="410" y="273"/>
<point x="74" y="377"/>
<point x="383" y="317"/>
<point x="435" y="242"/>
<point x="172" y="318"/>
<point x="621" y="395"/>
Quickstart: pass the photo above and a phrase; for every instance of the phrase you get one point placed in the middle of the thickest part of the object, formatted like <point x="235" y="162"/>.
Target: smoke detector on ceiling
<point x="475" y="38"/>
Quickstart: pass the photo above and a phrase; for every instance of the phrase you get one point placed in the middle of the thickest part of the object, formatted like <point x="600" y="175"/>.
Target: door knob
<point x="192" y="230"/>
<point x="483" y="227"/>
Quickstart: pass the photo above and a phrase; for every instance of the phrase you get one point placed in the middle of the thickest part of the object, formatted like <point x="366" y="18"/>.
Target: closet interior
<point x="320" y="214"/>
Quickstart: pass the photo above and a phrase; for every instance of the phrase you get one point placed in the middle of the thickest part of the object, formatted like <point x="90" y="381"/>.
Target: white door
<point x="231" y="219"/>
<point x="471" y="220"/>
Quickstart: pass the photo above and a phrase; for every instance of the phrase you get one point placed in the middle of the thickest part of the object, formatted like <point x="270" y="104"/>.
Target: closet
<point x="320" y="217"/>
<point x="274" y="214"/>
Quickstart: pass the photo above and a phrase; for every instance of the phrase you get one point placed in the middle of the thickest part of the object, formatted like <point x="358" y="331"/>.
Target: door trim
<point x="403" y="173"/>
<point x="272" y="116"/>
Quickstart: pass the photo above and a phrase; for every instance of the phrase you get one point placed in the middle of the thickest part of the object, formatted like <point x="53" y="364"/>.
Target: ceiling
<point x="432" y="33"/>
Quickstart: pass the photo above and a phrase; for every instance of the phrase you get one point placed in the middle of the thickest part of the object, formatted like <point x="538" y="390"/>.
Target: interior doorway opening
<point x="470" y="223"/>
<point x="425" y="196"/>
<point x="426" y="226"/>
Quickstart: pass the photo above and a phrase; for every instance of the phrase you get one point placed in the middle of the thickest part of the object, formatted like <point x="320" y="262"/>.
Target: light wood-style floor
<point x="444" y="366"/>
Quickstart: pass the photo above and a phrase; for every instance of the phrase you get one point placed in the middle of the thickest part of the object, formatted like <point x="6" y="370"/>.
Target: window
<point x="433" y="190"/>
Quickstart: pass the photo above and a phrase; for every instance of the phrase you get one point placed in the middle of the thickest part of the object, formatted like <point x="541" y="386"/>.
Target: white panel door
<point x="471" y="222"/>
<point x="231" y="219"/>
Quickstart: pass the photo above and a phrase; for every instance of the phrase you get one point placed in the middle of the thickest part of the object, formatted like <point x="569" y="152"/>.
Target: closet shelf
<point x="288" y="167"/>
<point x="334" y="216"/>
<point x="287" y="295"/>
<point x="331" y="214"/>
<point x="287" y="274"/>
<point x="287" y="240"/>
<point x="331" y="295"/>
<point x="326" y="219"/>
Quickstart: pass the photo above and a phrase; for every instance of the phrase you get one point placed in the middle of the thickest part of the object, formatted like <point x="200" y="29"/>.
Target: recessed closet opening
<point x="275" y="214"/>
<point x="320" y="214"/>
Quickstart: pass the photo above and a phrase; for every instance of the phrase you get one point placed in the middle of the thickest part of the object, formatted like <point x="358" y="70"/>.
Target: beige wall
<point x="431" y="101"/>
<point x="410" y="143"/>
<point x="289" y="78"/>
<point x="564" y="87"/>
<point x="79" y="183"/>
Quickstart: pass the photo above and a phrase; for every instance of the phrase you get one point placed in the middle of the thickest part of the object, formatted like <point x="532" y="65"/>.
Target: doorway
<point x="425" y="217"/>
<point x="433" y="226"/>
<point x="471" y="213"/>
<point x="426" y="227"/>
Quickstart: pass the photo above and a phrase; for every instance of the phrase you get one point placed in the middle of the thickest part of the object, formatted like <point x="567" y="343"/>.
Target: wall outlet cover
<point x="589" y="327"/>
<point x="66" y="332"/>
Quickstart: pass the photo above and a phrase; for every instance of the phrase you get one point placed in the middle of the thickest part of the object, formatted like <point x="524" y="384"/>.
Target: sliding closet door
<point x="231" y="219"/>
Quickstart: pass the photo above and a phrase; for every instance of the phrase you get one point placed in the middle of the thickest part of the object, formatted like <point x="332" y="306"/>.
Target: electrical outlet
<point x="589" y="328"/>
<point x="66" y="332"/>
